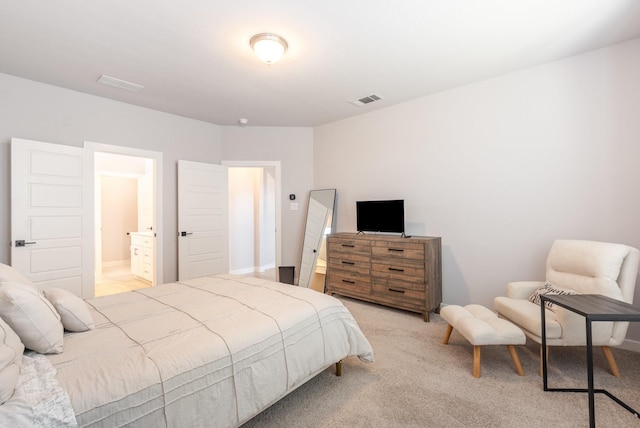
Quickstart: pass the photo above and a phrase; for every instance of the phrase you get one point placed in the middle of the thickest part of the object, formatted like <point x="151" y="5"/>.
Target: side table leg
<point x="543" y="347"/>
<point x="592" y="416"/>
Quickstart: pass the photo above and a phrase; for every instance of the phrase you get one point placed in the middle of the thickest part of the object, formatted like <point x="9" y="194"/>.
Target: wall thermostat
<point x="292" y="197"/>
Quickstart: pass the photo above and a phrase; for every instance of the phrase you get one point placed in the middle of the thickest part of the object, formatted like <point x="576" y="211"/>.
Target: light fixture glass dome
<point x="269" y="47"/>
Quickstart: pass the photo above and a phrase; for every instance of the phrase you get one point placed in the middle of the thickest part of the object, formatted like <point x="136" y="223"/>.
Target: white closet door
<point x="203" y="241"/>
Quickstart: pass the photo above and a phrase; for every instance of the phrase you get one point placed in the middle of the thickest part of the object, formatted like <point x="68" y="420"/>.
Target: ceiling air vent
<point x="119" y="83"/>
<point x="366" y="100"/>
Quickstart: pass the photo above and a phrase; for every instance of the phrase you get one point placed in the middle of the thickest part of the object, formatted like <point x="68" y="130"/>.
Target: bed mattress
<point x="211" y="351"/>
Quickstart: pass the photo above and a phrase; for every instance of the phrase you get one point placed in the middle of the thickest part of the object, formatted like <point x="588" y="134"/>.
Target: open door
<point x="52" y="215"/>
<point x="203" y="242"/>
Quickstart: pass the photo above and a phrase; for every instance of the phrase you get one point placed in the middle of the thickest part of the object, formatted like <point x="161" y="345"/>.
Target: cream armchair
<point x="582" y="267"/>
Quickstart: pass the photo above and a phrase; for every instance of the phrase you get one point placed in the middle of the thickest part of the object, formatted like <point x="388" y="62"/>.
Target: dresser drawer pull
<point x="398" y="250"/>
<point x="348" y="263"/>
<point x="396" y="291"/>
<point x="346" y="281"/>
<point x="396" y="269"/>
<point x="348" y="245"/>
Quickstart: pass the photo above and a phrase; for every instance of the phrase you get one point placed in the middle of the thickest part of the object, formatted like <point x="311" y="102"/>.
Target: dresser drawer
<point x="398" y="295"/>
<point x="404" y="250"/>
<point x="351" y="246"/>
<point x="349" y="284"/>
<point x="354" y="263"/>
<point x="398" y="269"/>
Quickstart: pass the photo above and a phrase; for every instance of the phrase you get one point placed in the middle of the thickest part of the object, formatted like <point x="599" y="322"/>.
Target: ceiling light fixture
<point x="268" y="47"/>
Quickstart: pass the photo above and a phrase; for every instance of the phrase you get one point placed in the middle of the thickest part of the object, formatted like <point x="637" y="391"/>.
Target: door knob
<point x="22" y="243"/>
<point x="186" y="233"/>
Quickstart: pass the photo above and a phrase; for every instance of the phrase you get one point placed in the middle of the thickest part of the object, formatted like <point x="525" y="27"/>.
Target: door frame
<point x="158" y="224"/>
<point x="278" y="196"/>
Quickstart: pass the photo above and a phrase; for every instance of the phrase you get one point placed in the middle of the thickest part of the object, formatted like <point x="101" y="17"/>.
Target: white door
<point x="52" y="215"/>
<point x="203" y="242"/>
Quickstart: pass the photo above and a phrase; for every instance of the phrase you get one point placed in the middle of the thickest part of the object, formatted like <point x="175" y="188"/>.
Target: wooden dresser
<point x="404" y="273"/>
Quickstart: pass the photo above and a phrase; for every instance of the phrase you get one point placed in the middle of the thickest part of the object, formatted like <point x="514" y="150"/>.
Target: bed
<point x="211" y="351"/>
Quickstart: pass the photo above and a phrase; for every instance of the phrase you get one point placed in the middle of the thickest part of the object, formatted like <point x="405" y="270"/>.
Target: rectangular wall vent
<point x="366" y="100"/>
<point x="119" y="83"/>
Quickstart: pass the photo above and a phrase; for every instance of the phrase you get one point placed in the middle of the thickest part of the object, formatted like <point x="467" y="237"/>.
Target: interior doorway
<point x="127" y="197"/>
<point x="254" y="217"/>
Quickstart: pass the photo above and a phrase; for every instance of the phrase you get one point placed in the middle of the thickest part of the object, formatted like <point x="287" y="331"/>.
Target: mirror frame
<point x="314" y="242"/>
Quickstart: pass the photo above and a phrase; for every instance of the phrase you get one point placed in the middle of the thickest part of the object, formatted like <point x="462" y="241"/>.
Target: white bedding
<point x="38" y="400"/>
<point x="212" y="351"/>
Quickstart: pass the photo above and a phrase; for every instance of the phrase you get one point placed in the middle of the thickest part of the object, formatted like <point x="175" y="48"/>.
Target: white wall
<point x="267" y="220"/>
<point x="242" y="212"/>
<point x="119" y="216"/>
<point x="251" y="219"/>
<point x="501" y="168"/>
<point x="293" y="147"/>
<point x="36" y="111"/>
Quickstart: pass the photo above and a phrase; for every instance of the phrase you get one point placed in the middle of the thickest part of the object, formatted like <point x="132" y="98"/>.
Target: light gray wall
<point x="501" y="168"/>
<point x="119" y="214"/>
<point x="293" y="147"/>
<point x="36" y="111"/>
<point x="242" y="222"/>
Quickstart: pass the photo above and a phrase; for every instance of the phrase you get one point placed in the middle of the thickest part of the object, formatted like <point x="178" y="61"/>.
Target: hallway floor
<point x="118" y="279"/>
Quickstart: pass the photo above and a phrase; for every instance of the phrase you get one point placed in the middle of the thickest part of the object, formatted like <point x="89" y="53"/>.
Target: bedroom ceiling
<point x="193" y="57"/>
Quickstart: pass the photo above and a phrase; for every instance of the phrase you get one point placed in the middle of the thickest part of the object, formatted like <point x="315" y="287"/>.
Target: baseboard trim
<point x="267" y="267"/>
<point x="243" y="271"/>
<point x="126" y="262"/>
<point x="631" y="345"/>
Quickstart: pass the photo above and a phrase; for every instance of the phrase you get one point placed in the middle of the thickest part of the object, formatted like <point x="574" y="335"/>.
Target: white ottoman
<point x="481" y="327"/>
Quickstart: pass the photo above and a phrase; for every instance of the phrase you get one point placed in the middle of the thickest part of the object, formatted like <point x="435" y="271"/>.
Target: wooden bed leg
<point x="613" y="367"/>
<point x="339" y="368"/>
<point x="447" y="334"/>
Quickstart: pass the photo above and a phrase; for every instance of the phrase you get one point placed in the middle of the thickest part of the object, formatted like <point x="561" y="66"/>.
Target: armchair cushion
<point x="587" y="267"/>
<point x="522" y="289"/>
<point x="526" y="315"/>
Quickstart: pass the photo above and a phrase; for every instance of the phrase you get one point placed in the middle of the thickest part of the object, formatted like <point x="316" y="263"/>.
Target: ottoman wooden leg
<point x="447" y="334"/>
<point x="476" y="361"/>
<point x="516" y="360"/>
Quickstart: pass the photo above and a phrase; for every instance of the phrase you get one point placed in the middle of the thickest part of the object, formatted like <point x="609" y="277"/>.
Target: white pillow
<point x="11" y="350"/>
<point x="73" y="311"/>
<point x="9" y="273"/>
<point x="32" y="317"/>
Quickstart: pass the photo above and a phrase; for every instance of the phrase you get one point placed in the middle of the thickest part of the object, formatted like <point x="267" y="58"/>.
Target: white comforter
<point x="212" y="351"/>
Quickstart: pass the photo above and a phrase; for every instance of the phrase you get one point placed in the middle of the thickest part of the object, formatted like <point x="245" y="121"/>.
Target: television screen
<point x="380" y="216"/>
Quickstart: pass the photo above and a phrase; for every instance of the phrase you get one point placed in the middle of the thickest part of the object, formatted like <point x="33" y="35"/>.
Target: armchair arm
<point x="522" y="289"/>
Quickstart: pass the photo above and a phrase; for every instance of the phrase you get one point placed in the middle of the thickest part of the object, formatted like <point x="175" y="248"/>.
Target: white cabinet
<point x="142" y="254"/>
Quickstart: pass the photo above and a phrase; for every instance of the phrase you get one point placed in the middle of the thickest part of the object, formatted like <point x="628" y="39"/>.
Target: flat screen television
<point x="380" y="216"/>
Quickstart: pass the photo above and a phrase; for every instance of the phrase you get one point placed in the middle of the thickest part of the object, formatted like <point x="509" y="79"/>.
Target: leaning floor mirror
<point x="313" y="265"/>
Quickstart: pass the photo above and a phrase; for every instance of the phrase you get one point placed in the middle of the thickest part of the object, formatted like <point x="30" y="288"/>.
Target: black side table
<point x="593" y="307"/>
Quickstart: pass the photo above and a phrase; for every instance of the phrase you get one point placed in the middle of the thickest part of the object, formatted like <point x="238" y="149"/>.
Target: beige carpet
<point x="416" y="381"/>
